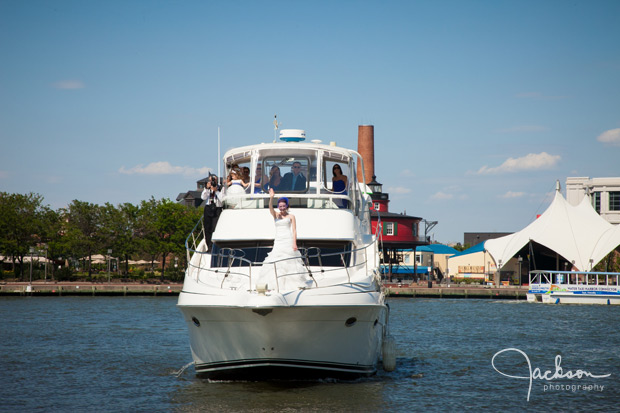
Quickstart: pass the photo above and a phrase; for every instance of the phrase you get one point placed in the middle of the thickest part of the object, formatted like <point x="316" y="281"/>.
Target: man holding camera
<point x="213" y="207"/>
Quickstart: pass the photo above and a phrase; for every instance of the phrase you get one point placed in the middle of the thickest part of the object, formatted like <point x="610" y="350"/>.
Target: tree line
<point x="156" y="229"/>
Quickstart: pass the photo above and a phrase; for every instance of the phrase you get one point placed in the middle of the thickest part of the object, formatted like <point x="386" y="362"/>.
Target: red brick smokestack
<point x="366" y="148"/>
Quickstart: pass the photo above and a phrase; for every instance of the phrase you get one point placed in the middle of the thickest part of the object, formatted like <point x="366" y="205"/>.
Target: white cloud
<point x="529" y="162"/>
<point x="407" y="173"/>
<point x="512" y="195"/>
<point x="398" y="190"/>
<point x="523" y="128"/>
<point x="441" y="196"/>
<point x="611" y="136"/>
<point x="69" y="84"/>
<point x="164" y="168"/>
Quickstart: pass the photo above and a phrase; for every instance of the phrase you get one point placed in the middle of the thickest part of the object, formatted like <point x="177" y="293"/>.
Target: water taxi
<point x="574" y="287"/>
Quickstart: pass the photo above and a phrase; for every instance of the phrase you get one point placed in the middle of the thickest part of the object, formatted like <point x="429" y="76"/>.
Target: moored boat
<point x="574" y="287"/>
<point x="324" y="318"/>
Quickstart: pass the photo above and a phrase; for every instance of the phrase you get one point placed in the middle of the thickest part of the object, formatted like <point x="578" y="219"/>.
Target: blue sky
<point x="478" y="106"/>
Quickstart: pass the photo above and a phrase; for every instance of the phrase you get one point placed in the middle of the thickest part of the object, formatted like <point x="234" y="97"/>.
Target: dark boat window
<point x="287" y="173"/>
<point x="223" y="256"/>
<point x="332" y="254"/>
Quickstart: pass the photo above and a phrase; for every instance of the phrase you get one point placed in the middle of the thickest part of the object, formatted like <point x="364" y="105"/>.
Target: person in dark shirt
<point x="294" y="180"/>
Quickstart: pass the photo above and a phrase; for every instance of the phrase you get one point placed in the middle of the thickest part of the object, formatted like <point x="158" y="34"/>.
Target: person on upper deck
<point x="245" y="174"/>
<point x="236" y="184"/>
<point x="275" y="178"/>
<point x="294" y="180"/>
<point x="213" y="207"/>
<point x="260" y="180"/>
<point x="340" y="183"/>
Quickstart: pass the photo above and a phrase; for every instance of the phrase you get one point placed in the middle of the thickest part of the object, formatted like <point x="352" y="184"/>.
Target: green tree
<point x="146" y="232"/>
<point x="22" y="225"/>
<point x="83" y="230"/>
<point x="173" y="222"/>
<point x="51" y="236"/>
<point x="157" y="228"/>
<point x="460" y="247"/>
<point x="119" y="229"/>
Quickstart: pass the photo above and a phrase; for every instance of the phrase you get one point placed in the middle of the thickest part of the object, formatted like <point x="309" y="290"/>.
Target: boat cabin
<point x="332" y="216"/>
<point x="301" y="172"/>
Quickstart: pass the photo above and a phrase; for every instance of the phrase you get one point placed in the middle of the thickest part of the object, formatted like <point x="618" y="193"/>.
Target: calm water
<point x="121" y="354"/>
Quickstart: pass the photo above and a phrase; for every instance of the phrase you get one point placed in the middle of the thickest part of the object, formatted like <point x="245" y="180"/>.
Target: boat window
<point x="326" y="254"/>
<point x="224" y="256"/>
<point x="329" y="166"/>
<point x="288" y="173"/>
<point x="239" y="170"/>
<point x="260" y="177"/>
<point x="591" y="280"/>
<point x="336" y="178"/>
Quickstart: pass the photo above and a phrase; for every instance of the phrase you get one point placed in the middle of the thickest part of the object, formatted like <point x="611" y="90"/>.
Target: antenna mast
<point x="219" y="174"/>
<point x="275" y="128"/>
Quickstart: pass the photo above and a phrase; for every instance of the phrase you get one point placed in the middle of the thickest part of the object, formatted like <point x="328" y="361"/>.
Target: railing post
<point x="345" y="267"/>
<point x="275" y="272"/>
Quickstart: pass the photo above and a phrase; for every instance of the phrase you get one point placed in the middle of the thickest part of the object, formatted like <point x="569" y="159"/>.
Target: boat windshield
<point x="290" y="174"/>
<point x="310" y="178"/>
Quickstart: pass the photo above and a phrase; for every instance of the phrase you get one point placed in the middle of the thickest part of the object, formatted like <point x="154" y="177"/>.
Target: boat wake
<point x="180" y="372"/>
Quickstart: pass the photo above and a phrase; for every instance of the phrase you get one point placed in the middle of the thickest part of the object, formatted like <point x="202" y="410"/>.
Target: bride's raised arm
<point x="273" y="211"/>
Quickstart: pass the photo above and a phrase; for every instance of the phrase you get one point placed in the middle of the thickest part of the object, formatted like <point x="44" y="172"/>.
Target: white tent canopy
<point x="577" y="233"/>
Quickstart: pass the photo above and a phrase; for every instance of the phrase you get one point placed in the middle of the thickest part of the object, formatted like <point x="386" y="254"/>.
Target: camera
<point x="214" y="182"/>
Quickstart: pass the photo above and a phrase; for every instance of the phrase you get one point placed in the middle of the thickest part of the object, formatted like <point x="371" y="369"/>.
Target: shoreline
<point x="42" y="288"/>
<point x="513" y="292"/>
<point x="76" y="288"/>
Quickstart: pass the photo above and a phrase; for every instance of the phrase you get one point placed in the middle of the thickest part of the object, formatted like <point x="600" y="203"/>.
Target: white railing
<point x="296" y="200"/>
<point x="546" y="278"/>
<point x="232" y="262"/>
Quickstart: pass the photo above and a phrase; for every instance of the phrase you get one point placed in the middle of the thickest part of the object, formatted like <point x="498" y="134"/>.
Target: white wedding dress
<point x="284" y="262"/>
<point x="236" y="187"/>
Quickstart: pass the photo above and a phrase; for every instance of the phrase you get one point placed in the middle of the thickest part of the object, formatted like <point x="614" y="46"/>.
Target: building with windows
<point x="192" y="197"/>
<point x="474" y="238"/>
<point x="400" y="234"/>
<point x="604" y="194"/>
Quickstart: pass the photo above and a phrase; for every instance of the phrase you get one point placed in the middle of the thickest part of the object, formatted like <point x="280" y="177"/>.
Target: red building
<point x="398" y="232"/>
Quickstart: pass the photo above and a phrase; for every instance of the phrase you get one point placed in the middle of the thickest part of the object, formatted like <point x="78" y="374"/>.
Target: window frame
<point x="287" y="161"/>
<point x="614" y="201"/>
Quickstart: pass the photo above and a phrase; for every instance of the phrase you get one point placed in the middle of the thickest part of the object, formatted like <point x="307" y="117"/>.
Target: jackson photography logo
<point x="549" y="376"/>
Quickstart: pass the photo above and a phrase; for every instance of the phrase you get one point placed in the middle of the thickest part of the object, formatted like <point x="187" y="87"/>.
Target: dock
<point x="512" y="292"/>
<point x="40" y="289"/>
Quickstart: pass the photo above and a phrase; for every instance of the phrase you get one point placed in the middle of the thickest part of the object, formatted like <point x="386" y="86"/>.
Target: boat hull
<point x="563" y="298"/>
<point x="534" y="297"/>
<point x="285" y="342"/>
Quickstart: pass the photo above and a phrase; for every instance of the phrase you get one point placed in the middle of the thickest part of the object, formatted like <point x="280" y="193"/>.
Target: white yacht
<point x="574" y="287"/>
<point x="333" y="323"/>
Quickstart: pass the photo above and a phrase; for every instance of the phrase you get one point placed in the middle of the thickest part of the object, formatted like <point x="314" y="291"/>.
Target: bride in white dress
<point x="284" y="260"/>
